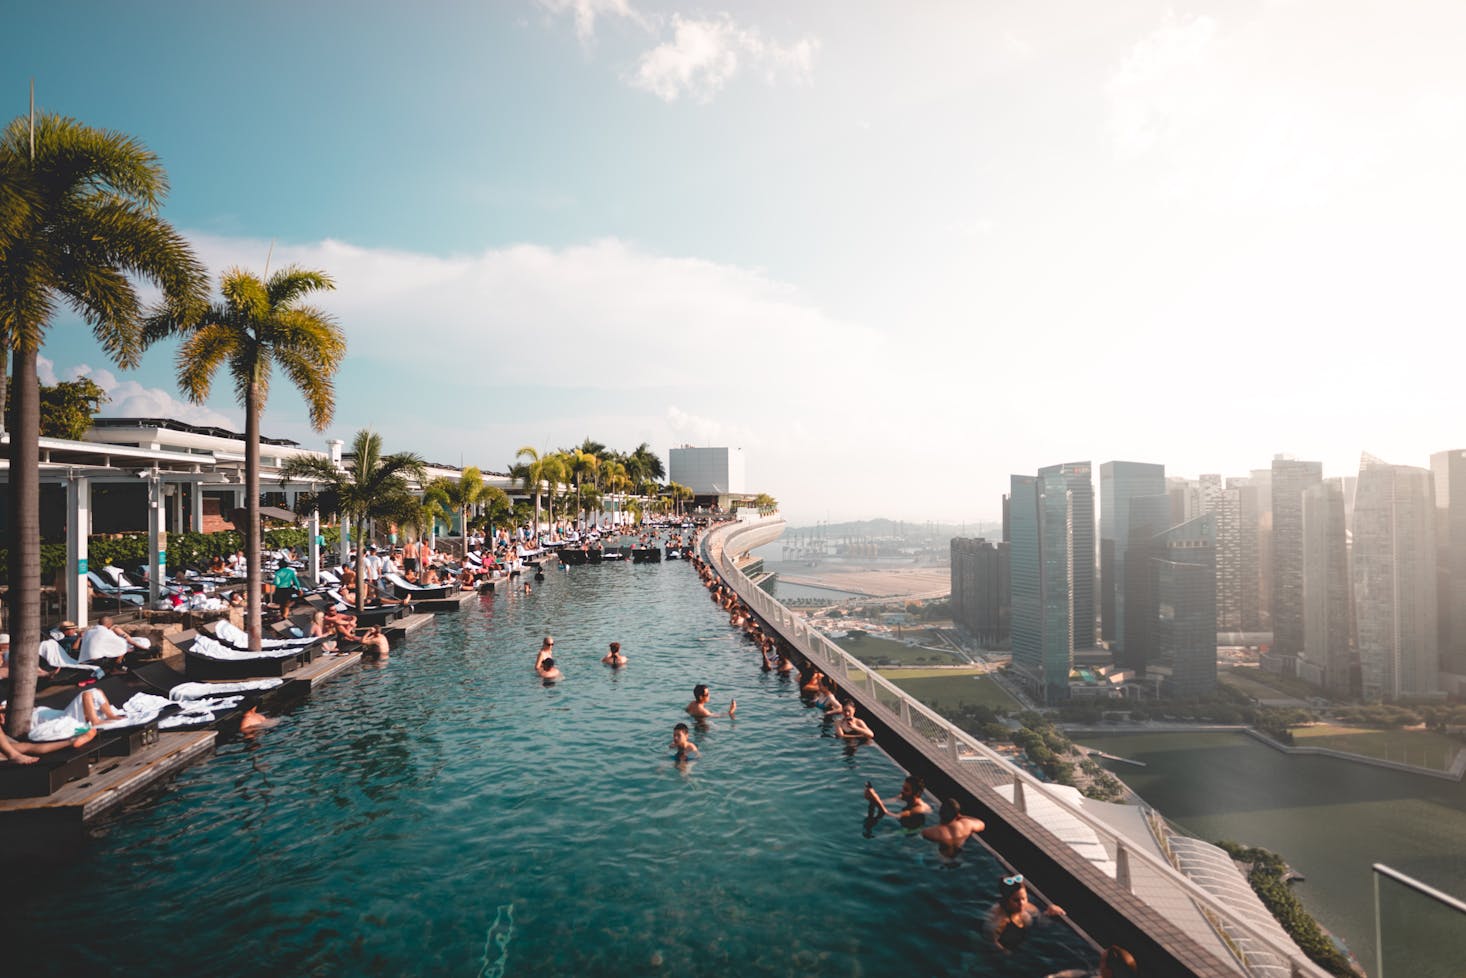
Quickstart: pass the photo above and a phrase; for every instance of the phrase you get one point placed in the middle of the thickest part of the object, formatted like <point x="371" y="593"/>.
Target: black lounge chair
<point x="403" y="588"/>
<point x="646" y="555"/>
<point x="206" y="663"/>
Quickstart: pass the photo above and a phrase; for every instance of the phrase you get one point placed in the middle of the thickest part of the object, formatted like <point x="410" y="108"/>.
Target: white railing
<point x="1257" y="953"/>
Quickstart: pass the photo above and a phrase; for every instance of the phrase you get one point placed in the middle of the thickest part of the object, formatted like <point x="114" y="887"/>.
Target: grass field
<point x="1265" y="686"/>
<point x="944" y="689"/>
<point x="883" y="651"/>
<point x="1423" y="748"/>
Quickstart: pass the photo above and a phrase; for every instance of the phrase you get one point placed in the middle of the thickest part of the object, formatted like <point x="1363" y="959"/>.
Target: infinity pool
<point x="448" y="815"/>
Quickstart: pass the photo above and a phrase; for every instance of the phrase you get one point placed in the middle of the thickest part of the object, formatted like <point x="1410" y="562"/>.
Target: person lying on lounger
<point x="25" y="752"/>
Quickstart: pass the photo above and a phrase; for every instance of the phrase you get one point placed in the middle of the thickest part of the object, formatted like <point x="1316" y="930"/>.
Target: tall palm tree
<point x="582" y="464"/>
<point x="258" y="325"/>
<point x="614" y="473"/>
<point x="461" y="493"/>
<point x="529" y="468"/>
<point x="371" y="486"/>
<point x="79" y="224"/>
<point x="497" y="509"/>
<point x="645" y="464"/>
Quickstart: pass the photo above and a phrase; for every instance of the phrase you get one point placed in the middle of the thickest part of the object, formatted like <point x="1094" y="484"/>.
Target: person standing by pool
<point x="698" y="708"/>
<point x="954" y="830"/>
<point x="287" y="586"/>
<point x="614" y="658"/>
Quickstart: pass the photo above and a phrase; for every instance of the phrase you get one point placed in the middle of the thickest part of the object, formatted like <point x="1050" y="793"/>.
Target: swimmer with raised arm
<point x="914" y="807"/>
<point x="698" y="708"/>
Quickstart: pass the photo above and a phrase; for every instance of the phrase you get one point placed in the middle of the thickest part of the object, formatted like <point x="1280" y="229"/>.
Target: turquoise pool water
<point x="448" y="815"/>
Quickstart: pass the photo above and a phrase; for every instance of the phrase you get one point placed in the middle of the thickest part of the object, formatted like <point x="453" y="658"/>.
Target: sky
<point x="894" y="251"/>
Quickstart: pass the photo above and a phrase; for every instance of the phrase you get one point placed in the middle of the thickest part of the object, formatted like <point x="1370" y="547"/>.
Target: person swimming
<point x="614" y="658"/>
<point x="698" y="708"/>
<point x="1010" y="920"/>
<point x="682" y="745"/>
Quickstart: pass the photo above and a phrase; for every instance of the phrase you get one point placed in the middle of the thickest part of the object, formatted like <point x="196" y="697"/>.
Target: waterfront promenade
<point x="1171" y="926"/>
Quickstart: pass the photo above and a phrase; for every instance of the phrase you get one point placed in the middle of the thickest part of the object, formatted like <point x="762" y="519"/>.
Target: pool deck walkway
<point x="110" y="782"/>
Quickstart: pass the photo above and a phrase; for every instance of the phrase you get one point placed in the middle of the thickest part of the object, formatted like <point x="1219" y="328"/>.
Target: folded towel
<point x="54" y="654"/>
<point x="231" y="634"/>
<point x="210" y="649"/>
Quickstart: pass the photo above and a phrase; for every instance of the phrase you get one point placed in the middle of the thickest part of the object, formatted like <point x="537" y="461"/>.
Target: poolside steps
<point x="454" y="602"/>
<point x="109" y="782"/>
<point x="324" y="668"/>
<point x="397" y="630"/>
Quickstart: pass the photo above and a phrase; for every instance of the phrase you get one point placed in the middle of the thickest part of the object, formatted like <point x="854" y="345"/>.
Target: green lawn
<point x="1265" y="686"/>
<point x="1424" y="748"/>
<point x="950" y="688"/>
<point x="884" y="651"/>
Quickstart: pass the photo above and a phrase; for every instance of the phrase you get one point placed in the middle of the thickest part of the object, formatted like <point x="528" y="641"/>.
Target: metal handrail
<point x="963" y="748"/>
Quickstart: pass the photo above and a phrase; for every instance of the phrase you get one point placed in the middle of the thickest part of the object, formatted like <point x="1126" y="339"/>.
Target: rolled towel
<point x="198" y="691"/>
<point x="102" y="643"/>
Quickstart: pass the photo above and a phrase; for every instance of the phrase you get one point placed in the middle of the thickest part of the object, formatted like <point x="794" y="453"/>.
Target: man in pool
<point x="374" y="644"/>
<point x="914" y="807"/>
<point x="954" y="830"/>
<point x="682" y="744"/>
<point x="546" y="670"/>
<point x="698" y="708"/>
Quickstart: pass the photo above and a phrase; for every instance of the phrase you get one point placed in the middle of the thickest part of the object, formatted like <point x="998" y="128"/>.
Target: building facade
<point x="1326" y="586"/>
<point x="1448" y="469"/>
<point x="1395" y="581"/>
<point x="1040" y="523"/>
<point x="708" y="471"/>
<point x="1120" y="482"/>
<point x="980" y="589"/>
<point x="1186" y="606"/>
<point x="1079" y="480"/>
<point x="1290" y="479"/>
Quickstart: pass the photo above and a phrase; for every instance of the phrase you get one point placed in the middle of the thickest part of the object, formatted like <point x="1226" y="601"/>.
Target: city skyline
<point x="575" y="208"/>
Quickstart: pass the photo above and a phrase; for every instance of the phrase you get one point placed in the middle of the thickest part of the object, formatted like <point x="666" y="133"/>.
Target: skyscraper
<point x="1449" y="472"/>
<point x="1080" y="483"/>
<point x="1249" y="553"/>
<point x="1326" y="585"/>
<point x="1186" y="605"/>
<point x="1226" y="506"/>
<point x="1395" y="580"/>
<point x="1120" y="482"/>
<point x="980" y="581"/>
<point x="1290" y="478"/>
<point x="1041" y="559"/>
<point x="1150" y="517"/>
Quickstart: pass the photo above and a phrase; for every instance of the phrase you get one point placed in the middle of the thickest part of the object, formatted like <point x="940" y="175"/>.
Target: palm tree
<point x="617" y="481"/>
<point x="582" y="464"/>
<point x="644" y="464"/>
<point x="497" y="508"/>
<point x="765" y="503"/>
<point x="529" y="469"/>
<point x="78" y="224"/>
<point x="258" y="325"/>
<point x="371" y="486"/>
<point x="458" y="495"/>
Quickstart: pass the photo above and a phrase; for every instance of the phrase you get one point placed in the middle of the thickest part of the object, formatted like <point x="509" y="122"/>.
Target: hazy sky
<point x="895" y="251"/>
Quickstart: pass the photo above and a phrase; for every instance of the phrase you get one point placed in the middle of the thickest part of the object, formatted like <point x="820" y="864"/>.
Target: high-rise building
<point x="1249" y="559"/>
<point x="1225" y="505"/>
<point x="980" y="580"/>
<point x="1395" y="581"/>
<point x="1262" y="479"/>
<point x="1041" y="559"/>
<point x="1326" y="655"/>
<point x="1120" y="482"/>
<point x="1290" y="479"/>
<point x="1449" y="472"/>
<point x="1080" y="483"/>
<point x="1150" y="517"/>
<point x="1186" y="605"/>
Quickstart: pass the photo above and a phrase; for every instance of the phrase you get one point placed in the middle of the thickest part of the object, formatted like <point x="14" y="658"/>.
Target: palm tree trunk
<point x="360" y="566"/>
<point x="25" y="543"/>
<point x="252" y="621"/>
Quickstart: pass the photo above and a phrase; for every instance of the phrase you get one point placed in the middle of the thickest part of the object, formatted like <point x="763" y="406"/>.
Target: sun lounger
<point x="205" y="658"/>
<point x="403" y="588"/>
<point x="107" y="589"/>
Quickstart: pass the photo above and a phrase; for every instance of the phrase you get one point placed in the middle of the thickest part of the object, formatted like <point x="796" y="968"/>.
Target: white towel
<point x="210" y="649"/>
<point x="48" y="724"/>
<point x="231" y="634"/>
<point x="54" y="654"/>
<point x="102" y="643"/>
<point x="198" y="691"/>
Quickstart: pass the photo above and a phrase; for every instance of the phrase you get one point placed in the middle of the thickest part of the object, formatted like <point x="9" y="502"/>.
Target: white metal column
<point x="78" y="526"/>
<point x="157" y="542"/>
<point x="313" y="547"/>
<point x="196" y="500"/>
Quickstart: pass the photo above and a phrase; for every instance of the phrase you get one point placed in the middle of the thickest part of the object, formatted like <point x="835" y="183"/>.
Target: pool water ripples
<point x="450" y="815"/>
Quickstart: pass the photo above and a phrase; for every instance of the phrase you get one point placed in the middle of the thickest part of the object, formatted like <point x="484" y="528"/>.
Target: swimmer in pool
<point x="698" y="708"/>
<point x="547" y="649"/>
<point x="614" y="658"/>
<point x="682" y="744"/>
<point x="850" y="726"/>
<point x="1011" y="918"/>
<point x="547" y="670"/>
<point x="955" y="829"/>
<point x="914" y="807"/>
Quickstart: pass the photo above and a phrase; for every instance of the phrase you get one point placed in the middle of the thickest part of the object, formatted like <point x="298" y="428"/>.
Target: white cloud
<point x="586" y="12"/>
<point x="704" y="55"/>
<point x="694" y="429"/>
<point x="129" y="399"/>
<point x="1159" y="83"/>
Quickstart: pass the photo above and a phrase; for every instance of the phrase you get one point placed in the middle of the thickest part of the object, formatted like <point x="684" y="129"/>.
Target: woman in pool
<point x="614" y="658"/>
<point x="1011" y="919"/>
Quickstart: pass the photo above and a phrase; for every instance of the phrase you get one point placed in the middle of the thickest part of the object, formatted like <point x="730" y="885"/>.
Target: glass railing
<point x="1418" y="930"/>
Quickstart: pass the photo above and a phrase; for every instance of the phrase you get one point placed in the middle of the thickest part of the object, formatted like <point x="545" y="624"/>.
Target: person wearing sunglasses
<point x="1011" y="919"/>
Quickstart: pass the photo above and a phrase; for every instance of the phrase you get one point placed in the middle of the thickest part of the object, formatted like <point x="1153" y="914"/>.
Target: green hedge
<point x="1267" y="879"/>
<point x="184" y="549"/>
